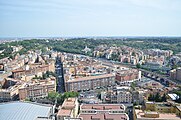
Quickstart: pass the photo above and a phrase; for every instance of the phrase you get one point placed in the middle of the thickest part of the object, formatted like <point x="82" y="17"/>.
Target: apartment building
<point x="10" y="90"/>
<point x="37" y="89"/>
<point x="128" y="76"/>
<point x="103" y="112"/>
<point x="89" y="82"/>
<point x="5" y="95"/>
<point x="178" y="74"/>
<point x="121" y="95"/>
<point x="23" y="73"/>
<point x="175" y="74"/>
<point x="69" y="109"/>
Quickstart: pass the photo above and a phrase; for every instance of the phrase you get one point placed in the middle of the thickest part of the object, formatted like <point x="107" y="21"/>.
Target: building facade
<point x="121" y="95"/>
<point x="37" y="90"/>
<point x="128" y="76"/>
<point x="89" y="83"/>
<point x="32" y="71"/>
<point x="175" y="74"/>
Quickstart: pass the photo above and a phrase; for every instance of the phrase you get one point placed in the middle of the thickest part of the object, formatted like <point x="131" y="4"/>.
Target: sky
<point x="79" y="18"/>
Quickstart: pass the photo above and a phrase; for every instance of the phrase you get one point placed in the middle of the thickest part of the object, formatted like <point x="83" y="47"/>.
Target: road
<point x="60" y="75"/>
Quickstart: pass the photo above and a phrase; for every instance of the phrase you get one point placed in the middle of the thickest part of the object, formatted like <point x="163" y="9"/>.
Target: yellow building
<point x="150" y="106"/>
<point x="147" y="115"/>
<point x="158" y="111"/>
<point x="160" y="107"/>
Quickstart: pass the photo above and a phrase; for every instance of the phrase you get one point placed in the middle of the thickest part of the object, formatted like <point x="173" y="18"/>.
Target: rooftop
<point x="64" y="112"/>
<point x="173" y="96"/>
<point x="162" y="116"/>
<point x="69" y="103"/>
<point x="128" y="72"/>
<point x="103" y="106"/>
<point x="23" y="111"/>
<point x="91" y="77"/>
<point x="104" y="116"/>
<point x="67" y="107"/>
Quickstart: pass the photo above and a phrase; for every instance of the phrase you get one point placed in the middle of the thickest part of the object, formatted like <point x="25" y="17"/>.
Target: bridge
<point x="160" y="78"/>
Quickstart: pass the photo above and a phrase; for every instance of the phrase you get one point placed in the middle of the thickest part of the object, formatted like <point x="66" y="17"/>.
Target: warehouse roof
<point x="23" y="111"/>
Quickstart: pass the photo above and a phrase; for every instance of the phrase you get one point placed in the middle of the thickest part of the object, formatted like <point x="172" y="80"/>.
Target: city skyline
<point x="80" y="18"/>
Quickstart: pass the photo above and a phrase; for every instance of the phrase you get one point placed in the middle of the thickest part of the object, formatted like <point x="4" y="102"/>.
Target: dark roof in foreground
<point x="23" y="111"/>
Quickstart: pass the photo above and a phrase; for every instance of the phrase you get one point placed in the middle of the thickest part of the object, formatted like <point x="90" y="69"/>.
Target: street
<point x="60" y="77"/>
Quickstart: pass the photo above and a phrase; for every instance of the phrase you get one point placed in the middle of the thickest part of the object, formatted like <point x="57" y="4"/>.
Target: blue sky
<point x="51" y="18"/>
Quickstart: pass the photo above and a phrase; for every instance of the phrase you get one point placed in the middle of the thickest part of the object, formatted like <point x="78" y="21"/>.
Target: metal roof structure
<point x="173" y="96"/>
<point x="23" y="111"/>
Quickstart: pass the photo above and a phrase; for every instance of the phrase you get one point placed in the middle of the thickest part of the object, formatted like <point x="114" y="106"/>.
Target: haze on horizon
<point x="61" y="18"/>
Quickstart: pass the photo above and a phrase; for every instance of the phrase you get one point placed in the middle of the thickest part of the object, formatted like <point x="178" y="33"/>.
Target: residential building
<point x="160" y="107"/>
<point x="28" y="72"/>
<point x="37" y="89"/>
<point x="128" y="76"/>
<point x="103" y="112"/>
<point x="10" y="91"/>
<point x="69" y="109"/>
<point x="121" y="95"/>
<point x="150" y="115"/>
<point x="175" y="74"/>
<point x="178" y="74"/>
<point x="158" y="111"/>
<point x="89" y="82"/>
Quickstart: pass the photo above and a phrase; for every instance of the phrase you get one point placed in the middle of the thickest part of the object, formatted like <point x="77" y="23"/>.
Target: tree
<point x="133" y="53"/>
<point x="133" y="85"/>
<point x="70" y="94"/>
<point x="157" y="97"/>
<point x="151" y="97"/>
<point x="164" y="98"/>
<point x="138" y="65"/>
<point x="53" y="95"/>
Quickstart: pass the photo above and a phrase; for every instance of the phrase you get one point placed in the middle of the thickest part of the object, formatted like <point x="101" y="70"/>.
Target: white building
<point x="121" y="95"/>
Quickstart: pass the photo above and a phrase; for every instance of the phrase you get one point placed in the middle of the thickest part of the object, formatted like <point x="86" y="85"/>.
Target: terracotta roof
<point x="67" y="107"/>
<point x="64" y="112"/>
<point x="69" y="103"/>
<point x="91" y="77"/>
<point x="103" y="106"/>
<point x="104" y="116"/>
